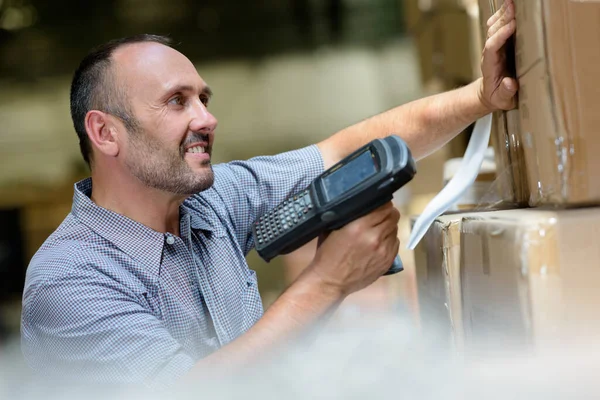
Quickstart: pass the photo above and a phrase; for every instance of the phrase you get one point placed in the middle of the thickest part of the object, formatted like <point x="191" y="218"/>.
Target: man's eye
<point x="204" y="100"/>
<point x="177" y="100"/>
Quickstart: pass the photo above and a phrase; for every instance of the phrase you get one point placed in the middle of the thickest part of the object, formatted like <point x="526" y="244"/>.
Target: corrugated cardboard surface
<point x="557" y="58"/>
<point x="437" y="268"/>
<point x="529" y="278"/>
<point x="429" y="260"/>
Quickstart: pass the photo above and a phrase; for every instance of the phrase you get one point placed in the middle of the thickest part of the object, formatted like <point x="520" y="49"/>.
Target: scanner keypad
<point x="285" y="216"/>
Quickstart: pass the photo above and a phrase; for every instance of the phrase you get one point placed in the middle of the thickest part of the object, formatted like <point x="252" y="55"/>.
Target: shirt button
<point x="170" y="239"/>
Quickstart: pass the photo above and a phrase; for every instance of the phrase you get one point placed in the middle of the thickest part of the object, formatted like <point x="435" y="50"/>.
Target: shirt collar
<point x="138" y="241"/>
<point x="200" y="210"/>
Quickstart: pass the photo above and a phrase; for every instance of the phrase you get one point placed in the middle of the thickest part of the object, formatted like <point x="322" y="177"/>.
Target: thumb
<point x="506" y="93"/>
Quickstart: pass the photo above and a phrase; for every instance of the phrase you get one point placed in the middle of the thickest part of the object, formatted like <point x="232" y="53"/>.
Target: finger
<point x="496" y="16"/>
<point x="503" y="20"/>
<point x="391" y="217"/>
<point x="495" y="43"/>
<point x="507" y="90"/>
<point x="390" y="236"/>
<point x="388" y="231"/>
<point x="380" y="214"/>
<point x="388" y="227"/>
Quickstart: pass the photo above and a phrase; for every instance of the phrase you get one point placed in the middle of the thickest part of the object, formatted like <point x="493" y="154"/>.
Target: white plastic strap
<point x="464" y="177"/>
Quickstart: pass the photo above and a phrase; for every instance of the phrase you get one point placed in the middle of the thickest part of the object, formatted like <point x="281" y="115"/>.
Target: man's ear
<point x="102" y="132"/>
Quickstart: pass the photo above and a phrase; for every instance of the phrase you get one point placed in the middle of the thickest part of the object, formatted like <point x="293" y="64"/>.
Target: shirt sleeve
<point x="87" y="327"/>
<point x="248" y="189"/>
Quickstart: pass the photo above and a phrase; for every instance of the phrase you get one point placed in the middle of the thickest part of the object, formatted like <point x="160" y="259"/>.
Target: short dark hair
<point x="94" y="88"/>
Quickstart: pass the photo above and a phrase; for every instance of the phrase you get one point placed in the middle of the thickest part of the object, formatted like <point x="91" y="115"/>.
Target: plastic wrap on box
<point x="511" y="177"/>
<point x="511" y="183"/>
<point x="482" y="194"/>
<point x="529" y="278"/>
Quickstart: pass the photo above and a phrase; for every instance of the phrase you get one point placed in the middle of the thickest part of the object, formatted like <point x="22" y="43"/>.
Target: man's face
<point x="171" y="147"/>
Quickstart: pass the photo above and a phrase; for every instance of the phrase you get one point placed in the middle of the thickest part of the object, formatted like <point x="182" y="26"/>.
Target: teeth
<point x="195" y="149"/>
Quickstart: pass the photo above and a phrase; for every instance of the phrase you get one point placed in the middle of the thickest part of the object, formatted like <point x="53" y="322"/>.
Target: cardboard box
<point x="448" y="48"/>
<point x="437" y="269"/>
<point x="476" y="40"/>
<point x="557" y="58"/>
<point x="417" y="10"/>
<point x="529" y="278"/>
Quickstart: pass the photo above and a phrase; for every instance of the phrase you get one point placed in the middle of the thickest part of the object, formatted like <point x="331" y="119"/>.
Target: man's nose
<point x="202" y="120"/>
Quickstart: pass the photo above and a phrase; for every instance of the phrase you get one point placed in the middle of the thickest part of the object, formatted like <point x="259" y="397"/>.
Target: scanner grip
<point x="396" y="267"/>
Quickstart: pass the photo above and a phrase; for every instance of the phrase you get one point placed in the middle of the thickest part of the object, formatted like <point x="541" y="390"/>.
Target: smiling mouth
<point x="196" y="149"/>
<point x="198" y="144"/>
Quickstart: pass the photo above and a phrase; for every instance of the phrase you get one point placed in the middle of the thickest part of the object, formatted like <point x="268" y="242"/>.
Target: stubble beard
<point x="165" y="170"/>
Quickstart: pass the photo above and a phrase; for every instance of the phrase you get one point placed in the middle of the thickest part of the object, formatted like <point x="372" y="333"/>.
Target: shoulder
<point x="244" y="175"/>
<point x="67" y="249"/>
<point x="309" y="156"/>
<point x="73" y="251"/>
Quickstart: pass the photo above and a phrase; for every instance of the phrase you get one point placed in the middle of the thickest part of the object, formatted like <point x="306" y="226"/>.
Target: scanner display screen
<point x="345" y="178"/>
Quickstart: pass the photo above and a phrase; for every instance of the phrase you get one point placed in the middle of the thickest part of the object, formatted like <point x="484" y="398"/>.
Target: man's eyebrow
<point x="208" y="91"/>
<point x="189" y="88"/>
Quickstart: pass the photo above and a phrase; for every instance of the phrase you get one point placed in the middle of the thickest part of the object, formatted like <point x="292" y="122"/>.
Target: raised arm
<point x="429" y="123"/>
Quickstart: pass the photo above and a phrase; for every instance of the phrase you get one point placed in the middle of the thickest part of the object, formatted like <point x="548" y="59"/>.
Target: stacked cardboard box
<point x="549" y="143"/>
<point x="522" y="278"/>
<point x="529" y="277"/>
<point x="526" y="278"/>
<point x="448" y="48"/>
<point x="557" y="58"/>
<point x="437" y="269"/>
<point x="443" y="34"/>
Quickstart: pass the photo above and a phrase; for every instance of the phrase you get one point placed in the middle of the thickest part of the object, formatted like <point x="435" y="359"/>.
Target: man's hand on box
<point x="498" y="90"/>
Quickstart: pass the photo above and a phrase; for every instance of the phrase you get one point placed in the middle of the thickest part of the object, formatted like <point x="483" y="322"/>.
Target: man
<point x="145" y="281"/>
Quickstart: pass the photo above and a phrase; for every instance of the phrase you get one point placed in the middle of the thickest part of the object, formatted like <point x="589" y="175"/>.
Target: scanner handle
<point x="396" y="267"/>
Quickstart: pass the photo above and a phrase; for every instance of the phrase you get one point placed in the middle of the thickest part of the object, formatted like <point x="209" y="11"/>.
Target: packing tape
<point x="458" y="185"/>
